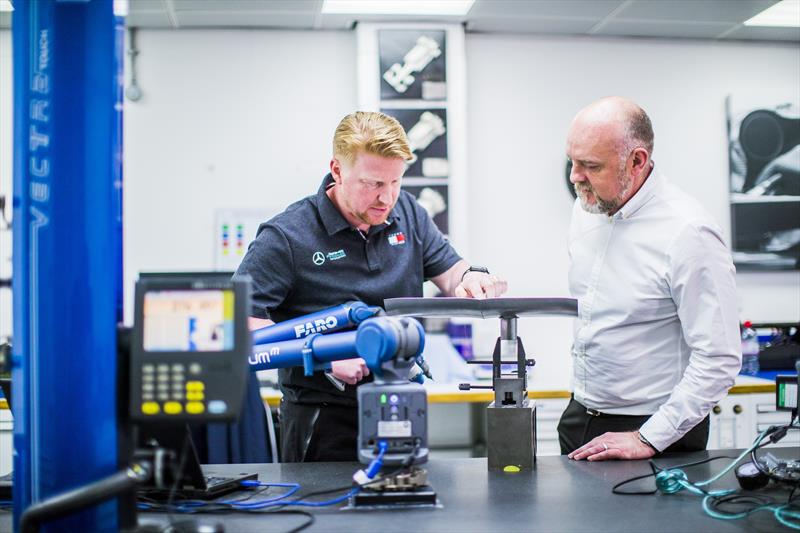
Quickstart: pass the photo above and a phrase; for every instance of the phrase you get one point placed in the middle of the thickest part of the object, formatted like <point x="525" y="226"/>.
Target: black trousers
<point x="319" y="432"/>
<point x="577" y="427"/>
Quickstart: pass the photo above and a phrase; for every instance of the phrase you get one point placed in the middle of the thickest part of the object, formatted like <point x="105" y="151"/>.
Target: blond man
<point x="360" y="237"/>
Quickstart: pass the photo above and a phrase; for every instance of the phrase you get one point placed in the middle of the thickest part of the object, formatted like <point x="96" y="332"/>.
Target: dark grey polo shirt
<point x="309" y="258"/>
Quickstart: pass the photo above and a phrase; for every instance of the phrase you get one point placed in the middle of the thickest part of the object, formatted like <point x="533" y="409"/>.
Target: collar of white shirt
<point x="643" y="195"/>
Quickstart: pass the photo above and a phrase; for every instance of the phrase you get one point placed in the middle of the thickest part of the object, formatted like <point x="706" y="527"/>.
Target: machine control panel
<point x="395" y="413"/>
<point x="190" y="347"/>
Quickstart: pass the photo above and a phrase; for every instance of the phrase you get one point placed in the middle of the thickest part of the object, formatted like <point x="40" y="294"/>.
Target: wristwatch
<point x="474" y="269"/>
<point x="644" y="440"/>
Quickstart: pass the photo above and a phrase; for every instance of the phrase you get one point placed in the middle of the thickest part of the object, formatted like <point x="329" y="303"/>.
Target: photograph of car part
<point x="427" y="136"/>
<point x="412" y="64"/>
<point x="434" y="199"/>
<point x="764" y="150"/>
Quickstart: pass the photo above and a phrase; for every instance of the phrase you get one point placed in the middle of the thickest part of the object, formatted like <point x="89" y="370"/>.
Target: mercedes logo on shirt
<point x="318" y="258"/>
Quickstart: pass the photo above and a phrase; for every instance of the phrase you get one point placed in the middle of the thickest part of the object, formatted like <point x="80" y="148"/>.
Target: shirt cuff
<point x="260" y="312"/>
<point x="659" y="432"/>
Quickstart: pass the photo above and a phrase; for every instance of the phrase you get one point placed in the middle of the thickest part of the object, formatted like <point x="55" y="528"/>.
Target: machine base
<point x="419" y="497"/>
<point x="511" y="436"/>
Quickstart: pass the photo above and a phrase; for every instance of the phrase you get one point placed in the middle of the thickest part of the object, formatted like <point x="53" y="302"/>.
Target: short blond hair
<point x="371" y="132"/>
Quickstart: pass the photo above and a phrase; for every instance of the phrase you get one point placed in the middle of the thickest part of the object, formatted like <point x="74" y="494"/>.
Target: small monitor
<point x="189" y="347"/>
<point x="189" y="320"/>
<point x="786" y="393"/>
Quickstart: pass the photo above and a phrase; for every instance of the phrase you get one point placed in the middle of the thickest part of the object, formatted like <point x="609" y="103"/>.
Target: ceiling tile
<point x="543" y="8"/>
<point x="148" y="19"/>
<point x="761" y="33"/>
<point x="280" y="6"/>
<point x="146" y="5"/>
<point x="700" y="30"/>
<point x="245" y="19"/>
<point x="336" y="21"/>
<point x="529" y="25"/>
<point x="693" y="10"/>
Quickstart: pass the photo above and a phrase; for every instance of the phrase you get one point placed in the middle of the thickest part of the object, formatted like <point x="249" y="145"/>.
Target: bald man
<point x="656" y="342"/>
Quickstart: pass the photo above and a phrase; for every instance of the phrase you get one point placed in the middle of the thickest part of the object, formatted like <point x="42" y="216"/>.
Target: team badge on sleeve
<point x="397" y="238"/>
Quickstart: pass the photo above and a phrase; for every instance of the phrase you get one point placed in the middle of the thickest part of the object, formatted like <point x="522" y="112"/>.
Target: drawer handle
<point x="737" y="408"/>
<point x="717" y="409"/>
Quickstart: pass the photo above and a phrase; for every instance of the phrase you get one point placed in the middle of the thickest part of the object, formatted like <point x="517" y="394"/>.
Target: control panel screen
<point x="188" y="321"/>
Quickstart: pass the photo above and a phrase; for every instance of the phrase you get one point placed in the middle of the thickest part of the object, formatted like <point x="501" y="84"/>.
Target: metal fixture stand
<point x="511" y="417"/>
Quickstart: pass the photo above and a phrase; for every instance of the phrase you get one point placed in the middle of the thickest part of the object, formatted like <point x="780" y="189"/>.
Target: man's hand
<point x="351" y="371"/>
<point x="613" y="446"/>
<point x="480" y="285"/>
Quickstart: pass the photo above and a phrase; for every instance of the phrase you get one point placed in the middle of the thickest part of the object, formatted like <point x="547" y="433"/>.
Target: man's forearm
<point x="451" y="278"/>
<point x="704" y="384"/>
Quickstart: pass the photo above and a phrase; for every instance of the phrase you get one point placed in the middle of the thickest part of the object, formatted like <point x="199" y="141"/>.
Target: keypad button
<point x="163" y="396"/>
<point x="194" y="395"/>
<point x="178" y="368"/>
<point x="148" y="396"/>
<point x="195" y="368"/>
<point x="195" y="408"/>
<point x="177" y="395"/>
<point x="147" y="387"/>
<point x="163" y="367"/>
<point x="150" y="408"/>
<point x="147" y="369"/>
<point x="217" y="407"/>
<point x="195" y="386"/>
<point x="173" y="408"/>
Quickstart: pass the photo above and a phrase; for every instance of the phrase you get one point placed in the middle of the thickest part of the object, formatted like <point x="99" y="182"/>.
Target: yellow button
<point x="195" y="386"/>
<point x="195" y="408"/>
<point x="150" y="408"/>
<point x="195" y="396"/>
<point x="511" y="469"/>
<point x="173" y="408"/>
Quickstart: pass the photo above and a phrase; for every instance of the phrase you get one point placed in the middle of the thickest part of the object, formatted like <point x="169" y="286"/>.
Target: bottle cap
<point x="748" y="324"/>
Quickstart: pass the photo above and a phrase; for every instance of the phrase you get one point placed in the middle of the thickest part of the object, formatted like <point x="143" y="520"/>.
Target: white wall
<point x="228" y="119"/>
<point x="244" y="119"/>
<point x="5" y="175"/>
<point x="523" y="93"/>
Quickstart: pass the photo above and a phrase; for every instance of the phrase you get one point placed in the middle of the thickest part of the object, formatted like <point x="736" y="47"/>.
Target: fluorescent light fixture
<point x="5" y="5"/>
<point x="397" y="7"/>
<point x="784" y="14"/>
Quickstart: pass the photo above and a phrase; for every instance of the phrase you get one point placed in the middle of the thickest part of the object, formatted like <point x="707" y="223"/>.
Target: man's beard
<point x="601" y="206"/>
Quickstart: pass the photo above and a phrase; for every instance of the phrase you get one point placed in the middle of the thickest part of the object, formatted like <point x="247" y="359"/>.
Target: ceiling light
<point x="785" y="13"/>
<point x="5" y="5"/>
<point x="397" y="7"/>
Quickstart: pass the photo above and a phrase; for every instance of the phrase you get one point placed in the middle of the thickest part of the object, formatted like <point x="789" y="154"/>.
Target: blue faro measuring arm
<point x="301" y="342"/>
<point x="328" y="320"/>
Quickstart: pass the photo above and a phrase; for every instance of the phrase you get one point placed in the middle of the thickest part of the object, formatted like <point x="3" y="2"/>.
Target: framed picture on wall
<point x="412" y="64"/>
<point x="433" y="197"/>
<point x="764" y="155"/>
<point x="427" y="135"/>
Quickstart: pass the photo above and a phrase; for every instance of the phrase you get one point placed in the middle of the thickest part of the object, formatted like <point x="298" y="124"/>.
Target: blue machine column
<point x="67" y="264"/>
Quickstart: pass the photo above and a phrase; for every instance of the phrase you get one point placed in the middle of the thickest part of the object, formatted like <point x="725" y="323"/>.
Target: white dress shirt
<point x="657" y="331"/>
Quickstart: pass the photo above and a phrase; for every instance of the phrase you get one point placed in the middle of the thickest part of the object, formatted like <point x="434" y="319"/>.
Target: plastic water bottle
<point x="750" y="349"/>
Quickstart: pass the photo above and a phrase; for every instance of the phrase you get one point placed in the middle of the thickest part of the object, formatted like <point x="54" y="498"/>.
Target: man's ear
<point x="336" y="171"/>
<point x="640" y="160"/>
